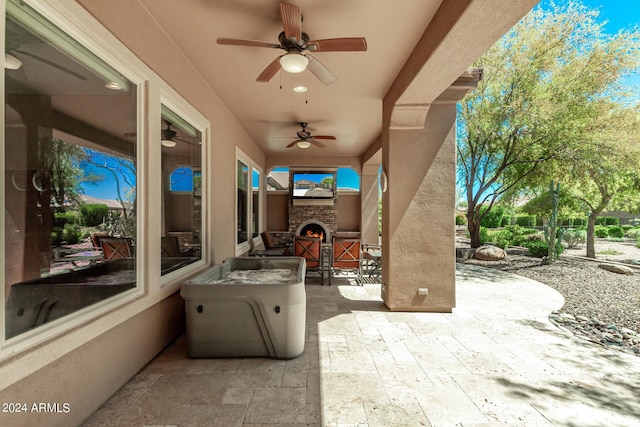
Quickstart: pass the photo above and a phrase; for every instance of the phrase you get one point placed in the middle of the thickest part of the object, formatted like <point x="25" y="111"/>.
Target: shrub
<point x="579" y="222"/>
<point x="615" y="231"/>
<point x="71" y="234"/>
<point x="56" y="236"/>
<point x="601" y="231"/>
<point x="512" y="235"/>
<point x="493" y="218"/>
<point x="93" y="214"/>
<point x="607" y="220"/>
<point x="638" y="242"/>
<point x="461" y="219"/>
<point x="539" y="249"/>
<point x="484" y="235"/>
<point x="633" y="233"/>
<point x="506" y="220"/>
<point x="526" y="220"/>
<point x="627" y="227"/>
<point x="500" y="238"/>
<point x="574" y="237"/>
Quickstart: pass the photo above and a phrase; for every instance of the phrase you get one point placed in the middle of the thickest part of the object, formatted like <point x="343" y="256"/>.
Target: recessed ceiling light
<point x="300" y="89"/>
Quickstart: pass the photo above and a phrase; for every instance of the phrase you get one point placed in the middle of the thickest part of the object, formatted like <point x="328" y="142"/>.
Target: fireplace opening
<point x="313" y="230"/>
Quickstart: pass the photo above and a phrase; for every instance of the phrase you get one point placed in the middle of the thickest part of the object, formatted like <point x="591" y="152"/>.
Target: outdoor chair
<point x="169" y="247"/>
<point x="371" y="260"/>
<point x="116" y="248"/>
<point x="310" y="248"/>
<point x="267" y="239"/>
<point x="345" y="256"/>
<point x="95" y="238"/>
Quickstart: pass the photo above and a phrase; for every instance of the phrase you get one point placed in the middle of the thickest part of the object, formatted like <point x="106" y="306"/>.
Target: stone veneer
<point x="302" y="212"/>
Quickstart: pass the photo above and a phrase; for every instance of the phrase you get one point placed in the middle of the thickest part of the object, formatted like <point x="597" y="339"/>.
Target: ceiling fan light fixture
<point x="113" y="86"/>
<point x="294" y="62"/>
<point x="168" y="142"/>
<point x="304" y="144"/>
<point x="13" y="63"/>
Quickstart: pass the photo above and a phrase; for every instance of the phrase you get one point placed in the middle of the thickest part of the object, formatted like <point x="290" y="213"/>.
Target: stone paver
<point x="496" y="360"/>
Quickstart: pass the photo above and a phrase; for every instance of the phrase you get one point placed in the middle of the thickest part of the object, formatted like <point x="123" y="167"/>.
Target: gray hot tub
<point x="247" y="307"/>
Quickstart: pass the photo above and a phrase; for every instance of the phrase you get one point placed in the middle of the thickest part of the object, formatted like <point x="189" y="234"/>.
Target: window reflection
<point x="255" y="205"/>
<point x="242" y="197"/>
<point x="181" y="146"/>
<point x="70" y="175"/>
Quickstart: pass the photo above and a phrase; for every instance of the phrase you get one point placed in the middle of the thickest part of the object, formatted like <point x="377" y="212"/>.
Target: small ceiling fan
<point x="305" y="139"/>
<point x="168" y="137"/>
<point x="13" y="46"/>
<point x="294" y="41"/>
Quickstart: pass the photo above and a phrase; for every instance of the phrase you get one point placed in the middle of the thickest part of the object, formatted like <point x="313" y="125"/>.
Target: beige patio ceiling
<point x="350" y="108"/>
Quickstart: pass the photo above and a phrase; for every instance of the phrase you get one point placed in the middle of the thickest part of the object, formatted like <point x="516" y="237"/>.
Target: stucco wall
<point x="348" y="211"/>
<point x="85" y="378"/>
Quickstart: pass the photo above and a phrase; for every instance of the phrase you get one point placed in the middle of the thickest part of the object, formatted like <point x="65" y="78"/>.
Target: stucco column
<point x="418" y="206"/>
<point x="369" y="204"/>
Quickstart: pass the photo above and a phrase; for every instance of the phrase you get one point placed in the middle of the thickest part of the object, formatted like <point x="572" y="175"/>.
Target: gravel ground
<point x="601" y="306"/>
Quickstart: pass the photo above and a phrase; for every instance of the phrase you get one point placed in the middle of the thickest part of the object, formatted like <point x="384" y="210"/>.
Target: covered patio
<point x="145" y="82"/>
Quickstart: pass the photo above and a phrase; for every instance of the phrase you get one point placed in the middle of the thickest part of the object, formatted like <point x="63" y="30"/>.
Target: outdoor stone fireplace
<point x="314" y="228"/>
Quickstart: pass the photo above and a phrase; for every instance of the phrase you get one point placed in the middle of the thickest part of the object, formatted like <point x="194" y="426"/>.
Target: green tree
<point x="603" y="169"/>
<point x="540" y="90"/>
<point x="60" y="163"/>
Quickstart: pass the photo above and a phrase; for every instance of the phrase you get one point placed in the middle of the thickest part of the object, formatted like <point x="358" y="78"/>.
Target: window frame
<point x="82" y="33"/>
<point x="178" y="105"/>
<point x="251" y="242"/>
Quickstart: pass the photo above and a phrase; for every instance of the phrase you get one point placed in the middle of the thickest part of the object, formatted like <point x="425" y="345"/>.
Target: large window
<point x="255" y="202"/>
<point x="248" y="202"/>
<point x="242" y="196"/>
<point x="181" y="145"/>
<point x="71" y="175"/>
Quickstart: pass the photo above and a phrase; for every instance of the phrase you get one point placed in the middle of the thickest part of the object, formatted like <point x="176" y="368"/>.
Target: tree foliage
<point x="602" y="171"/>
<point x="542" y="87"/>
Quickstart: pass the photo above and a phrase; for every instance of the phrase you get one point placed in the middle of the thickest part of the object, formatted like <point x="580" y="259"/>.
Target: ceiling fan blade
<point x="320" y="71"/>
<point x="293" y="143"/>
<point x="324" y="137"/>
<point x="271" y="70"/>
<point x="187" y="141"/>
<point x="291" y="17"/>
<point x="316" y="143"/>
<point x="52" y="64"/>
<point x="346" y="44"/>
<point x="252" y="43"/>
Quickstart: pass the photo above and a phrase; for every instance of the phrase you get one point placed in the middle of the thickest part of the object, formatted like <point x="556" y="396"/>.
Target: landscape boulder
<point x="489" y="253"/>
<point x="615" y="268"/>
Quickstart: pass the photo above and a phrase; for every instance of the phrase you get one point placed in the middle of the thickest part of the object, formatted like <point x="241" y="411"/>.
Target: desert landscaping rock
<point x="490" y="253"/>
<point x="615" y="268"/>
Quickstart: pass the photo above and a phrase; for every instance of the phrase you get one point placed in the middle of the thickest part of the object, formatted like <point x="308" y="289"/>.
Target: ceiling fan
<point x="294" y="41"/>
<point x="168" y="137"/>
<point x="13" y="47"/>
<point x="305" y="139"/>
